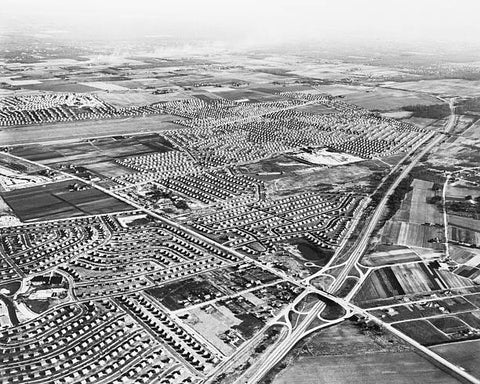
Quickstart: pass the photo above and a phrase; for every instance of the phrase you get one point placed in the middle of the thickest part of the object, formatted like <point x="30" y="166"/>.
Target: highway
<point x="379" y="211"/>
<point x="445" y="217"/>
<point x="344" y="242"/>
<point x="360" y="248"/>
<point x="364" y="241"/>
<point x="267" y="362"/>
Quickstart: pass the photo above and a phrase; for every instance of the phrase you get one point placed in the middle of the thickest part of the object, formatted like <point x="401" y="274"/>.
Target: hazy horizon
<point x="249" y="23"/>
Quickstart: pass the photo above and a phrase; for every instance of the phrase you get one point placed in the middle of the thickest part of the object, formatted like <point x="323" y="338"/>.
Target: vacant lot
<point x="212" y="321"/>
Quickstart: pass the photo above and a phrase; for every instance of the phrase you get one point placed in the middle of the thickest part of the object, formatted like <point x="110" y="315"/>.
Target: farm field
<point x="415" y="235"/>
<point x="463" y="235"/>
<point x="243" y="230"/>
<point x="97" y="156"/>
<point x="464" y="222"/>
<point x="459" y="191"/>
<point x="124" y="99"/>
<point x="59" y="86"/>
<point x="464" y="255"/>
<point x="420" y="210"/>
<point x="416" y="207"/>
<point x="422" y="331"/>
<point x="420" y="122"/>
<point x="104" y="86"/>
<point x="383" y="99"/>
<point x="379" y="368"/>
<point x="445" y="87"/>
<point x="59" y="200"/>
<point x="406" y="279"/>
<point x="464" y="354"/>
<point x="395" y="256"/>
<point x="345" y="353"/>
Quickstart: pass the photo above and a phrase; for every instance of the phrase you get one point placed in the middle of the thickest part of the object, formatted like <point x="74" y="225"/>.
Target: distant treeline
<point x="435" y="111"/>
<point x="439" y="111"/>
<point x="396" y="198"/>
<point x="469" y="105"/>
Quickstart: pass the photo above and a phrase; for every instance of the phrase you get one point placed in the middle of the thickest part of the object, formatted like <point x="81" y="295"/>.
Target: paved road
<point x="364" y="241"/>
<point x="301" y="329"/>
<point x="354" y="258"/>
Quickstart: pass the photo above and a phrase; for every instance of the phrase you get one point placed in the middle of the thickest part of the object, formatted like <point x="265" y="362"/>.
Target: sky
<point x="251" y="22"/>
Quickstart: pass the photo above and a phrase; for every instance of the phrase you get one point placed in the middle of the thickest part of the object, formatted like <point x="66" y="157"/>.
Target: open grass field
<point x="464" y="354"/>
<point x="57" y="201"/>
<point x="85" y="129"/>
